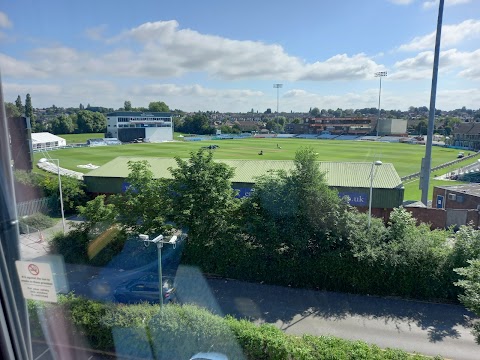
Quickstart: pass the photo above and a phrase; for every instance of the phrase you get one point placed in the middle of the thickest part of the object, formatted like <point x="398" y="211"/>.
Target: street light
<point x="372" y="175"/>
<point x="277" y="86"/>
<point x="379" y="74"/>
<point x="159" y="240"/>
<point x="43" y="160"/>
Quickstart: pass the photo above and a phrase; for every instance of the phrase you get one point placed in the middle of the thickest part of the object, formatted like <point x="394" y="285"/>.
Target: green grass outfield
<point x="81" y="138"/>
<point x="405" y="157"/>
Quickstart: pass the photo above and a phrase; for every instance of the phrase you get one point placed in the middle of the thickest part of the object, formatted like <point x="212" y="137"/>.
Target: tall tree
<point x="127" y="105"/>
<point x="296" y="212"/>
<point x="29" y="108"/>
<point x="63" y="124"/>
<point x="90" y="122"/>
<point x="314" y="112"/>
<point x="201" y="197"/>
<point x="19" y="105"/>
<point x="158" y="106"/>
<point x="11" y="110"/>
<point x="196" y="124"/>
<point x="142" y="206"/>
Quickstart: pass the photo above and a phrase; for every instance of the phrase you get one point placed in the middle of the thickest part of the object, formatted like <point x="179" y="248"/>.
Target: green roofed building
<point x="348" y="178"/>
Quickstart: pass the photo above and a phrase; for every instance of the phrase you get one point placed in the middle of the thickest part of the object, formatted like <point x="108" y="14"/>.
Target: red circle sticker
<point x="34" y="270"/>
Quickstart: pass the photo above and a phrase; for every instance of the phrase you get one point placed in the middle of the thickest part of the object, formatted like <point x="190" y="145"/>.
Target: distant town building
<point x="341" y="126"/>
<point x="395" y="127"/>
<point x="466" y="135"/>
<point x="129" y="126"/>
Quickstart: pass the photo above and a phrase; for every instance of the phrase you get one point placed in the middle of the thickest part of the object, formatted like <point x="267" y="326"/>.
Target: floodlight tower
<point x="277" y="86"/>
<point x="379" y="74"/>
<point x="427" y="160"/>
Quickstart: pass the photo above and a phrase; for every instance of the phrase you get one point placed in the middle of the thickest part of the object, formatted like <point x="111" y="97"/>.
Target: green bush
<point x="74" y="247"/>
<point x="178" y="332"/>
<point x="38" y="221"/>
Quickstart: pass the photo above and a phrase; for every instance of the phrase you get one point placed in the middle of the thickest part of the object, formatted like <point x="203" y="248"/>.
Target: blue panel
<point x="440" y="200"/>
<point x="244" y="192"/>
<point x="356" y="199"/>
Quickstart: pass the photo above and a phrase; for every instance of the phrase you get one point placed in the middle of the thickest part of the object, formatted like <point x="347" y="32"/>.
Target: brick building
<point x="465" y="196"/>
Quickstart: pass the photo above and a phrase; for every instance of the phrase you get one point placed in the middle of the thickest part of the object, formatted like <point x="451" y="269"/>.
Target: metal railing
<point x="41" y="205"/>
<point x="442" y="166"/>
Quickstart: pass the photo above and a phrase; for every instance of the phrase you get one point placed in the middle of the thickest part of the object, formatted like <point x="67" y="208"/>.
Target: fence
<point x="442" y="166"/>
<point x="41" y="205"/>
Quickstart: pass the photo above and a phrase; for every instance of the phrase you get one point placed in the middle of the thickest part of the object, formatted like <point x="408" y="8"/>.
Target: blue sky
<point x="226" y="56"/>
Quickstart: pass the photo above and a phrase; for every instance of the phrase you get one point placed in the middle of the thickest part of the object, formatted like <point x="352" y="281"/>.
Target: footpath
<point x="36" y="242"/>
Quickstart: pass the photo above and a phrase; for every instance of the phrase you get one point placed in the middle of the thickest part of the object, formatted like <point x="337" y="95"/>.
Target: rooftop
<point x="470" y="189"/>
<point x="139" y="113"/>
<point x="43" y="137"/>
<point x="338" y="174"/>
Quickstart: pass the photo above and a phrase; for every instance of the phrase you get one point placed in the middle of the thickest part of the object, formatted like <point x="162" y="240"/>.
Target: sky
<point x="226" y="56"/>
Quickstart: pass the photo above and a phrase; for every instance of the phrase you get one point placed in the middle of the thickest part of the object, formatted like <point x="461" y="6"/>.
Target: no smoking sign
<point x="36" y="280"/>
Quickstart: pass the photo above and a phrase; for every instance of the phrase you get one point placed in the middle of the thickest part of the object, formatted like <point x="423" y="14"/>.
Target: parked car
<point x="460" y="155"/>
<point x="145" y="288"/>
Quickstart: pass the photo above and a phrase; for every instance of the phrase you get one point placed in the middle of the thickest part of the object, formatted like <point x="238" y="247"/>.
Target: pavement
<point x="36" y="243"/>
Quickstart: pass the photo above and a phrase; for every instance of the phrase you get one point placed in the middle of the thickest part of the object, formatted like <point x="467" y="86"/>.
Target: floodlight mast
<point x="379" y="74"/>
<point x="277" y="86"/>
<point x="427" y="160"/>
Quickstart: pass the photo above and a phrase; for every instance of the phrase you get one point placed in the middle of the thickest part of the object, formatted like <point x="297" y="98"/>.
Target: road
<point x="426" y="328"/>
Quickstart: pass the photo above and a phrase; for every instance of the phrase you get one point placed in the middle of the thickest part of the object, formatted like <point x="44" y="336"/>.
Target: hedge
<point x="178" y="332"/>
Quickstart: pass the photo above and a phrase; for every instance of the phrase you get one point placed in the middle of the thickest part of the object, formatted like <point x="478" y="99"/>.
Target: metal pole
<point x="379" y="74"/>
<point x="61" y="194"/>
<point x="427" y="163"/>
<point x="160" y="283"/>
<point x="370" y="197"/>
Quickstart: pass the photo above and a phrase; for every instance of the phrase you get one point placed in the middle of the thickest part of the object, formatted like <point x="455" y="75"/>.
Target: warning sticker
<point x="36" y="280"/>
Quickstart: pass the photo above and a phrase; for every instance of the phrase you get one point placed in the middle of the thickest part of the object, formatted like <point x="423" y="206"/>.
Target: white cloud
<point x="451" y="35"/>
<point x="162" y="50"/>
<point x="434" y="3"/>
<point x="5" y="21"/>
<point x="420" y="66"/>
<point x="11" y="67"/>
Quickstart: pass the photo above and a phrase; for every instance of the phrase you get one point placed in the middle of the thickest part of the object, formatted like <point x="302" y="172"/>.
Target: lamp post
<point x="372" y="174"/>
<point x="379" y="74"/>
<point x="159" y="240"/>
<point x="43" y="160"/>
<point x="277" y="86"/>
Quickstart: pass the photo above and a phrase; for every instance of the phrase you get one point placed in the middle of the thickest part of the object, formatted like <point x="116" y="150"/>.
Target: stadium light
<point x="372" y="175"/>
<point x="379" y="74"/>
<point x="159" y="240"/>
<point x="277" y="86"/>
<point x="43" y="160"/>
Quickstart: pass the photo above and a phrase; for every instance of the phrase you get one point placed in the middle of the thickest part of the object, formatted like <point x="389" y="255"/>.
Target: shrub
<point x="178" y="332"/>
<point x="38" y="221"/>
